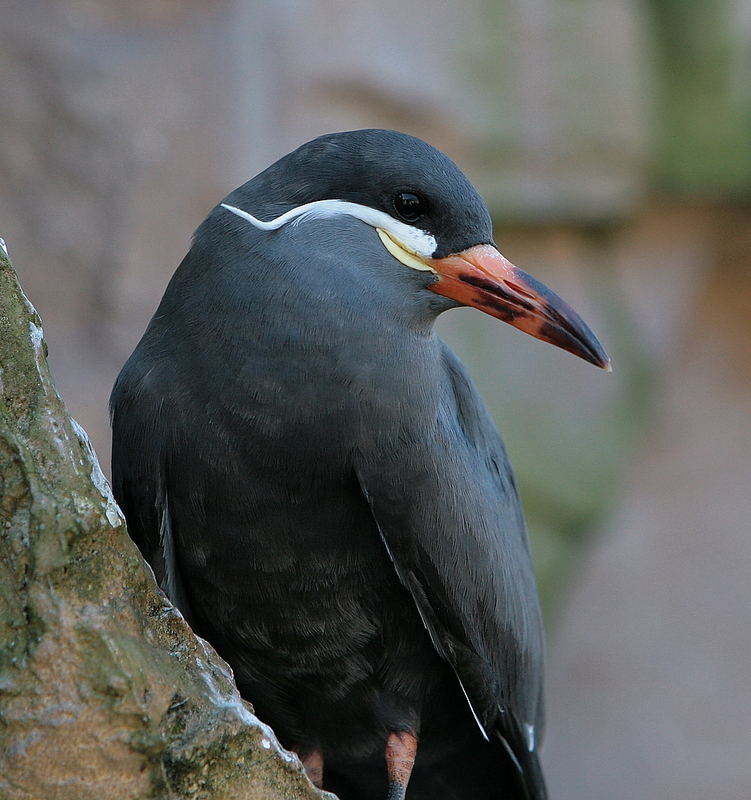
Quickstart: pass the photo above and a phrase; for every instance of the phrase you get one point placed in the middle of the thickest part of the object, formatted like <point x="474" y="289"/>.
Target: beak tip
<point x="600" y="359"/>
<point x="481" y="277"/>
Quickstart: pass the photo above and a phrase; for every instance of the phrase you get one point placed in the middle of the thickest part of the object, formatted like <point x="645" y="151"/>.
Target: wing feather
<point x="448" y="512"/>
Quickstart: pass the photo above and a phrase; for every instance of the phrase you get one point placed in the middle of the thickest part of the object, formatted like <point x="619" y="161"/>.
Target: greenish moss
<point x="703" y="117"/>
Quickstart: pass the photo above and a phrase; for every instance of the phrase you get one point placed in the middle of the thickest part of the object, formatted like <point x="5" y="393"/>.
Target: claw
<point x="313" y="763"/>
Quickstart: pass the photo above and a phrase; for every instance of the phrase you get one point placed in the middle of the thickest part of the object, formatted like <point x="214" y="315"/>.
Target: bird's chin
<point x="439" y="303"/>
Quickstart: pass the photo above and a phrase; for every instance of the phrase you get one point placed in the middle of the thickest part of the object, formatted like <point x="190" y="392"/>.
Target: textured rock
<point x="104" y="690"/>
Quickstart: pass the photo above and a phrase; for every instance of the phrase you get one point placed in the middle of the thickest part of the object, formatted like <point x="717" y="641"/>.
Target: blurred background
<point x="612" y="140"/>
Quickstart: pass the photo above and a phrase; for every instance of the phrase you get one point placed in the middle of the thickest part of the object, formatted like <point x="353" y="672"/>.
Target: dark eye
<point x="409" y="206"/>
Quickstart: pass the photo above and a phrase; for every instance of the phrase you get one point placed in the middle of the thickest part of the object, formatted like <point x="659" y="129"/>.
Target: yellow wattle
<point x="400" y="253"/>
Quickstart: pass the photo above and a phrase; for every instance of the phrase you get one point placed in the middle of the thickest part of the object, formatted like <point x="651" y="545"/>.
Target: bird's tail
<point x="486" y="773"/>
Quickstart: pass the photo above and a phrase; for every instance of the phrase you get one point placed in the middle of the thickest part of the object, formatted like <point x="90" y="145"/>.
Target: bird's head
<point x="427" y="216"/>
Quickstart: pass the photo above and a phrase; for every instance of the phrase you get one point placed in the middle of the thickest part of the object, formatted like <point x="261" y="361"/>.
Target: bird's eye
<point x="409" y="206"/>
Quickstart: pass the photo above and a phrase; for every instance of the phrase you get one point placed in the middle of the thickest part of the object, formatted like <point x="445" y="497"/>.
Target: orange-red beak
<point x="481" y="277"/>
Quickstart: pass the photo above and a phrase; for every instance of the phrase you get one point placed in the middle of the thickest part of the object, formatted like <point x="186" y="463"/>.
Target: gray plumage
<point x="320" y="489"/>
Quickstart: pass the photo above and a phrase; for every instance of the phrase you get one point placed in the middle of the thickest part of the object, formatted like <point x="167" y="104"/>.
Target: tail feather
<point x="524" y="762"/>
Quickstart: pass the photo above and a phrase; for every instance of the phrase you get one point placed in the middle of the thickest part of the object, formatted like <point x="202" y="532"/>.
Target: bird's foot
<point x="401" y="749"/>
<point x="397" y="791"/>
<point x="313" y="763"/>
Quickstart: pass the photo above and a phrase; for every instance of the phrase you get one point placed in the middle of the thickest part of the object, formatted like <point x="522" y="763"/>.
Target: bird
<point x="317" y="484"/>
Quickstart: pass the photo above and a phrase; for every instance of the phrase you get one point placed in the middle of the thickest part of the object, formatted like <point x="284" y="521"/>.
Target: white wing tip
<point x="530" y="731"/>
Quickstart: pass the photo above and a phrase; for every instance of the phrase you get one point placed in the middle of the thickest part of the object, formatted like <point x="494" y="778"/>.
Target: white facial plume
<point x="400" y="239"/>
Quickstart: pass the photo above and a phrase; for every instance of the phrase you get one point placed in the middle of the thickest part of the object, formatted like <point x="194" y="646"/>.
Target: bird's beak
<point x="481" y="277"/>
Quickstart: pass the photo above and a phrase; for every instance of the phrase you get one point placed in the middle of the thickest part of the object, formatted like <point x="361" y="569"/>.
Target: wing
<point x="449" y="514"/>
<point x="139" y="479"/>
